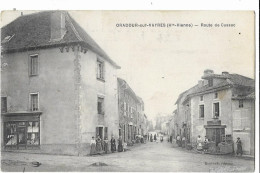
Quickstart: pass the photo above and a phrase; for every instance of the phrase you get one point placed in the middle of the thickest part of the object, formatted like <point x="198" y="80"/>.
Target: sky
<point x="160" y="63"/>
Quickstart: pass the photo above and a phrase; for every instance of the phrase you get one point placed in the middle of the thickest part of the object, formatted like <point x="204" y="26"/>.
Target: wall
<point x="90" y="89"/>
<point x="244" y="128"/>
<point x="224" y="99"/>
<point x="56" y="94"/>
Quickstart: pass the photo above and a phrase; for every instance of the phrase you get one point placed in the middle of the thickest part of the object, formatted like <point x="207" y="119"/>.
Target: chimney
<point x="201" y="83"/>
<point x="58" y="29"/>
<point x="225" y="73"/>
<point x="208" y="72"/>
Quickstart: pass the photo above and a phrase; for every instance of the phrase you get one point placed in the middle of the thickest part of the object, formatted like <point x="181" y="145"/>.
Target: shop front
<point x="21" y="130"/>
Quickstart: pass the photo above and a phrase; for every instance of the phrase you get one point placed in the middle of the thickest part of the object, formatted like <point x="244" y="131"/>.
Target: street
<point x="149" y="157"/>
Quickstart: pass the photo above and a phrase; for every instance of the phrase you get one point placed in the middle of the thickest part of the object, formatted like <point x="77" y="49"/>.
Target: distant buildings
<point x="133" y="121"/>
<point x="60" y="88"/>
<point x="226" y="97"/>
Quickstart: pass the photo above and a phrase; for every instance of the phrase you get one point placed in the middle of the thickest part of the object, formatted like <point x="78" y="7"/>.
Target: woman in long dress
<point x="113" y="144"/>
<point x="92" y="146"/>
<point x="106" y="145"/>
<point x="120" y="144"/>
<point x="199" y="143"/>
<point x="239" y="146"/>
<point x="98" y="145"/>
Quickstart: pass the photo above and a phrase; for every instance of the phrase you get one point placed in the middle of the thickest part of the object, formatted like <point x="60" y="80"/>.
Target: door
<point x="99" y="132"/>
<point x="21" y="131"/>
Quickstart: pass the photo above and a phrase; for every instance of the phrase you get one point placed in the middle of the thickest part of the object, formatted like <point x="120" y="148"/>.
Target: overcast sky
<point x="160" y="63"/>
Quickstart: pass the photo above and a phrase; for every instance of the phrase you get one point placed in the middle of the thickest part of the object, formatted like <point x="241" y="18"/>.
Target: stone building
<point x="227" y="97"/>
<point x="131" y="112"/>
<point x="59" y="88"/>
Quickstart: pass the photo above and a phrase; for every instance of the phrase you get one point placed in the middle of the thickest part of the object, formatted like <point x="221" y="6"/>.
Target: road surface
<point x="159" y="157"/>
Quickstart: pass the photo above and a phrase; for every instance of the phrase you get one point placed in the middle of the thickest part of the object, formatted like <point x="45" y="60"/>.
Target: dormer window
<point x="210" y="82"/>
<point x="7" y="38"/>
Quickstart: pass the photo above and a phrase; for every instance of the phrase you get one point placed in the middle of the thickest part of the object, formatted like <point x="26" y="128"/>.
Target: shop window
<point x="3" y="104"/>
<point x="33" y="137"/>
<point x="34" y="101"/>
<point x="10" y="137"/>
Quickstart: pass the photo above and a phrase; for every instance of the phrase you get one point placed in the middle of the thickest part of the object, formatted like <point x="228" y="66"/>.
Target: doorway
<point x="99" y="132"/>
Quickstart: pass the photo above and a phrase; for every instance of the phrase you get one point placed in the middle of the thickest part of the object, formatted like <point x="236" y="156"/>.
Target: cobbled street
<point x="152" y="156"/>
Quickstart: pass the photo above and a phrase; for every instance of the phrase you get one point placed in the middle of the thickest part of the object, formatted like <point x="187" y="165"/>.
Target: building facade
<point x="131" y="112"/>
<point x="59" y="88"/>
<point x="226" y="97"/>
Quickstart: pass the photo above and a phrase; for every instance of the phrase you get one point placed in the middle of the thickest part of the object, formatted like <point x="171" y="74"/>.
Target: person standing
<point x="183" y="140"/>
<point x="171" y="139"/>
<point x="206" y="144"/>
<point x="178" y="140"/>
<point x="154" y="137"/>
<point x="151" y="138"/>
<point x="239" y="146"/>
<point x="120" y="144"/>
<point x="106" y="145"/>
<point x="199" y="143"/>
<point x="99" y="145"/>
<point x="113" y="144"/>
<point x="92" y="146"/>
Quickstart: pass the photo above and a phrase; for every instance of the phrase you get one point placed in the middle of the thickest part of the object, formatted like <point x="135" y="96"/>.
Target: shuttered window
<point x="33" y="65"/>
<point x="3" y="104"/>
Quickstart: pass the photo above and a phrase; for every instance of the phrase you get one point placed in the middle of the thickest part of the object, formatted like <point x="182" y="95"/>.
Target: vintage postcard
<point x="128" y="91"/>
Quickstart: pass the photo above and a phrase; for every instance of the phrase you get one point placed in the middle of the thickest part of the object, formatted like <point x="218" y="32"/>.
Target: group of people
<point x="98" y="146"/>
<point x="181" y="141"/>
<point x="155" y="138"/>
<point x="202" y="145"/>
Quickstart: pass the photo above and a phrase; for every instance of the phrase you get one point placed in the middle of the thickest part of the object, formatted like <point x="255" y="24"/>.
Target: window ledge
<point x="100" y="79"/>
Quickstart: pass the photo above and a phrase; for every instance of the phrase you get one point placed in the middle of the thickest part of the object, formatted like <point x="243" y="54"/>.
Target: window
<point x="216" y="110"/>
<point x="216" y="95"/>
<point x="33" y="65"/>
<point x="201" y="98"/>
<point x="10" y="137"/>
<point x="33" y="136"/>
<point x="100" y="106"/>
<point x="240" y="104"/>
<point x="100" y="69"/>
<point x="201" y="112"/>
<point x="3" y="104"/>
<point x="125" y="108"/>
<point x="34" y="101"/>
<point x="22" y="133"/>
<point x="210" y="82"/>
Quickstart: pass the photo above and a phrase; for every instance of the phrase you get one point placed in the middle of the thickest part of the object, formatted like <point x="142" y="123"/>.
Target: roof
<point x="34" y="31"/>
<point x="229" y="80"/>
<point x="123" y="82"/>
<point x="250" y="96"/>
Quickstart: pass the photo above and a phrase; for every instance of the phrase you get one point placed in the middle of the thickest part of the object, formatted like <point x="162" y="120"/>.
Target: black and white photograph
<point x="128" y="91"/>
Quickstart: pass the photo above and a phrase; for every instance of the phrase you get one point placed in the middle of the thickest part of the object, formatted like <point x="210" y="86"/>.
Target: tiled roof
<point x="250" y="96"/>
<point x="34" y="31"/>
<point x="230" y="80"/>
<point x="122" y="82"/>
